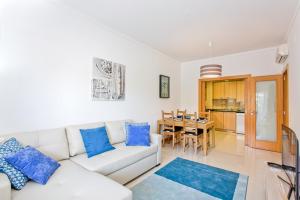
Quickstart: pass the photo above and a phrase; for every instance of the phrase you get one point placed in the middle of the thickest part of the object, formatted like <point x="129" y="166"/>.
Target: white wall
<point x="46" y="54"/>
<point x="294" y="73"/>
<point x="259" y="62"/>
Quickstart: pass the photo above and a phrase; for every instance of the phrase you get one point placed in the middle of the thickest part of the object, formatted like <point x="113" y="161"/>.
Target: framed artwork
<point x="108" y="81"/>
<point x="164" y="86"/>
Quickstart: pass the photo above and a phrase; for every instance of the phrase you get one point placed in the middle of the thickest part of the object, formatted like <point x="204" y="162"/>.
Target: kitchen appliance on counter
<point x="240" y="123"/>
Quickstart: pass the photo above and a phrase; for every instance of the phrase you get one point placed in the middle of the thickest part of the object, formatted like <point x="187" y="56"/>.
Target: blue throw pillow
<point x="34" y="164"/>
<point x="17" y="179"/>
<point x="133" y="124"/>
<point x="138" y="135"/>
<point x="95" y="141"/>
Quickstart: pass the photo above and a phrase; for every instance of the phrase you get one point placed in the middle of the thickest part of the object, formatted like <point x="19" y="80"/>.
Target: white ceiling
<point x="183" y="28"/>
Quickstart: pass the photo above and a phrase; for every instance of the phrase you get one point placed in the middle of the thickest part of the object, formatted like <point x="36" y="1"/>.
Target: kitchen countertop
<point x="226" y="110"/>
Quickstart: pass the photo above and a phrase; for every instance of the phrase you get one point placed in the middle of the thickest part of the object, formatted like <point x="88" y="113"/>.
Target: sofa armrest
<point x="157" y="139"/>
<point x="5" y="187"/>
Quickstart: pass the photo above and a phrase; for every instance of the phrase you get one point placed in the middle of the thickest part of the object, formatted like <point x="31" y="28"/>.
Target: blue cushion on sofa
<point x="34" y="164"/>
<point x="95" y="141"/>
<point x="138" y="135"/>
<point x="17" y="179"/>
<point x="133" y="124"/>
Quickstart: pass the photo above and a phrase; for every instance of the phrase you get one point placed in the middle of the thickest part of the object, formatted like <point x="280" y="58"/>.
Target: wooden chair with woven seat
<point x="179" y="116"/>
<point x="205" y="115"/>
<point x="210" y="137"/>
<point x="169" y="129"/>
<point x="191" y="131"/>
<point x="180" y="113"/>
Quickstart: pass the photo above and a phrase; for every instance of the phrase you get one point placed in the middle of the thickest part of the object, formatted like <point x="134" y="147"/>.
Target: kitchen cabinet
<point x="240" y="91"/>
<point x="230" y="89"/>
<point x="229" y="122"/>
<point x="209" y="94"/>
<point x="218" y="118"/>
<point x="218" y="90"/>
<point x="224" y="120"/>
<point x="225" y="90"/>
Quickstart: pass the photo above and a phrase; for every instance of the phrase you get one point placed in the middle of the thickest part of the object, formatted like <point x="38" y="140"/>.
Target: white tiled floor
<point x="231" y="154"/>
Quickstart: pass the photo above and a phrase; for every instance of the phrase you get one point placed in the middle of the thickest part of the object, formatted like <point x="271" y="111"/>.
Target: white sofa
<point x="98" y="178"/>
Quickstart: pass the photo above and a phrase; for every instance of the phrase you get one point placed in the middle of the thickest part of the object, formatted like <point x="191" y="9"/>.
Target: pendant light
<point x="210" y="70"/>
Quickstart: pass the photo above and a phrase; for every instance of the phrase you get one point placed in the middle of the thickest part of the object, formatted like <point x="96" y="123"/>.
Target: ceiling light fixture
<point x="210" y="70"/>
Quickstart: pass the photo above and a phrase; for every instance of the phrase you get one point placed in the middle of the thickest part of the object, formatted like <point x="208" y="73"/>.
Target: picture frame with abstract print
<point x="164" y="86"/>
<point x="108" y="81"/>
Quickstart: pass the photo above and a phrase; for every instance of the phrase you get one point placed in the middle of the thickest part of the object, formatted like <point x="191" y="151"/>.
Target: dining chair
<point x="169" y="129"/>
<point x="191" y="131"/>
<point x="180" y="113"/>
<point x="205" y="115"/>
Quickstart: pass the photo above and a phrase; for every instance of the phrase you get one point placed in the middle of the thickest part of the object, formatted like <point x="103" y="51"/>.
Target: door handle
<point x="253" y="113"/>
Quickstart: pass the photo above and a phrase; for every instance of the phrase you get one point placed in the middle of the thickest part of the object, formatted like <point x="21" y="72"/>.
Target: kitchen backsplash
<point x="230" y="104"/>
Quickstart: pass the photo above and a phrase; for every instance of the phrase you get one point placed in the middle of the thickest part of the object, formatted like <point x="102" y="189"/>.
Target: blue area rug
<point x="184" y="179"/>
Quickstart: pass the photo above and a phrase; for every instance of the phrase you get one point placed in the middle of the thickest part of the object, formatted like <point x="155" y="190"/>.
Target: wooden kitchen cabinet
<point x="209" y="94"/>
<point x="229" y="122"/>
<point x="218" y="90"/>
<point x="224" y="120"/>
<point x="230" y="89"/>
<point x="225" y="89"/>
<point x="240" y="91"/>
<point x="218" y="118"/>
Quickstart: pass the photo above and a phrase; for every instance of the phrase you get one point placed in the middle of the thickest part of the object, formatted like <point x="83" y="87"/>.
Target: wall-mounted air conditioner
<point x="282" y="53"/>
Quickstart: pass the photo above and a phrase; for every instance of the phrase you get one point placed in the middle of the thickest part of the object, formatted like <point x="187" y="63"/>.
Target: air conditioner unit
<point x="282" y="53"/>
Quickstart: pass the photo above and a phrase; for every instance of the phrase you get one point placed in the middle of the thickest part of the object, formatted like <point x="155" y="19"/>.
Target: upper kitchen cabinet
<point x="209" y="94"/>
<point x="240" y="91"/>
<point x="225" y="90"/>
<point x="219" y="90"/>
<point x="230" y="89"/>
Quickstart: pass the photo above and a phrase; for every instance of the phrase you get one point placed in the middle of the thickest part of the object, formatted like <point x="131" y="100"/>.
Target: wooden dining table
<point x="205" y="126"/>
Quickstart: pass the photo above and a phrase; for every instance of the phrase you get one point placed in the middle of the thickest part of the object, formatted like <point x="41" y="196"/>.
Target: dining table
<point x="205" y="126"/>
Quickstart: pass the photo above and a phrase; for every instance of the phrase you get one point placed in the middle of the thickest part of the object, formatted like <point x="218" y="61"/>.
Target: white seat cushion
<point x="111" y="161"/>
<point x="116" y="131"/>
<point x="76" y="145"/>
<point x="72" y="182"/>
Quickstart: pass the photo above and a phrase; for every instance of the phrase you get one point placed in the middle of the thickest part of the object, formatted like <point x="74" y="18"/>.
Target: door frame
<point x="246" y="78"/>
<point x="285" y="87"/>
<point x="279" y="90"/>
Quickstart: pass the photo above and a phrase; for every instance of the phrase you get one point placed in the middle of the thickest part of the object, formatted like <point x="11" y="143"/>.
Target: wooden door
<point x="230" y="89"/>
<point x="218" y="90"/>
<point x="240" y="91"/>
<point x="230" y="121"/>
<point x="218" y="118"/>
<point x="266" y="112"/>
<point x="286" y="98"/>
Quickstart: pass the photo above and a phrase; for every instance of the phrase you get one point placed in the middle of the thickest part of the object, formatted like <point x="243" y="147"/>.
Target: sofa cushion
<point x="17" y="179"/>
<point x="71" y="181"/>
<point x="132" y="124"/>
<point x="116" y="131"/>
<point x="76" y="145"/>
<point x="111" y="161"/>
<point x="95" y="141"/>
<point x="34" y="164"/>
<point x="138" y="135"/>
<point x="52" y="142"/>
